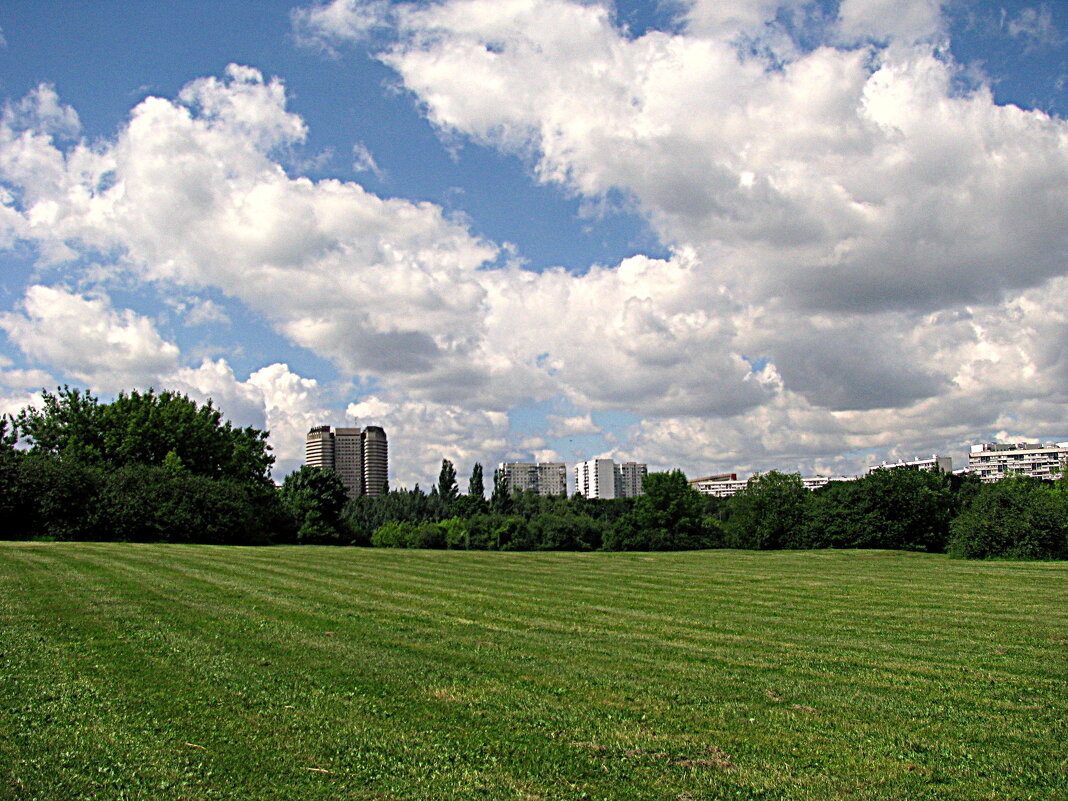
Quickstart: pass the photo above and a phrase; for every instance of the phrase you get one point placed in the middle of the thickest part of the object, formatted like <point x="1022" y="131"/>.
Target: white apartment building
<point x="815" y="482"/>
<point x="994" y="460"/>
<point x="723" y="485"/>
<point x="603" y="478"/>
<point x="943" y="463"/>
<point x="596" y="478"/>
<point x="542" y="478"/>
<point x="728" y="484"/>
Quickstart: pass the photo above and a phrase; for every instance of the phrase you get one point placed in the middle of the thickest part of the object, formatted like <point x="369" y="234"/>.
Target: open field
<point x="196" y="672"/>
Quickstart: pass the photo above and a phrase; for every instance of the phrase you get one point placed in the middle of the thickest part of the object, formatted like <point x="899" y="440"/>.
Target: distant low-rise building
<point x="726" y="485"/>
<point x="932" y="462"/>
<point x="995" y="460"/>
<point x="722" y="485"/>
<point x="815" y="482"/>
<point x="541" y="478"/>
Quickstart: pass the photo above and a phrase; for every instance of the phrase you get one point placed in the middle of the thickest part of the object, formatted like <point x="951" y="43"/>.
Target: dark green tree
<point x="900" y="509"/>
<point x="1014" y="518"/>
<point x="55" y="499"/>
<point x="143" y="429"/>
<point x="316" y="498"/>
<point x="153" y="504"/>
<point x="768" y="513"/>
<point x="448" y="489"/>
<point x="476" y="487"/>
<point x="500" y="503"/>
<point x="474" y="502"/>
<point x="668" y="516"/>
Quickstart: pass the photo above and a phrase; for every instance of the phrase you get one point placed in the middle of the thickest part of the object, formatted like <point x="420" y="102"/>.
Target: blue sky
<point x="722" y="236"/>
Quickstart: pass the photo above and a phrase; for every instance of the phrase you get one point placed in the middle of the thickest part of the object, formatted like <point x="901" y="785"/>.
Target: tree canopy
<point x="476" y="487"/>
<point x="145" y="428"/>
<point x="448" y="489"/>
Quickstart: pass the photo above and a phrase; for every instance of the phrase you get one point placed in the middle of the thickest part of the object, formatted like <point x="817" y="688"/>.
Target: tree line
<point x="159" y="467"/>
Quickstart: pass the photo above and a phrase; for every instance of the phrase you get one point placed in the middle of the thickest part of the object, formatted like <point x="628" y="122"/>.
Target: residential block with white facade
<point x="603" y="478"/>
<point x="995" y="460"/>
<point x="932" y="462"/>
<point x="728" y="484"/>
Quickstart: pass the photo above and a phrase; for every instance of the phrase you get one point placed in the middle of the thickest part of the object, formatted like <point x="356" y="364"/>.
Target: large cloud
<point x="189" y="193"/>
<point x="843" y="178"/>
<point x="109" y="350"/>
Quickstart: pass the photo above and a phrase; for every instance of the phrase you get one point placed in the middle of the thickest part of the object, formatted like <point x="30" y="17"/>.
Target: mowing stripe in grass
<point x="462" y="675"/>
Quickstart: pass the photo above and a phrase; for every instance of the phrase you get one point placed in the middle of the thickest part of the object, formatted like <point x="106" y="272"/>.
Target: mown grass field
<point x="189" y="672"/>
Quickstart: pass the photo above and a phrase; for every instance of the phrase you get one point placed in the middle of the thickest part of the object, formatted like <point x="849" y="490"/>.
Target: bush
<point x="565" y="532"/>
<point x="55" y="499"/>
<point x="404" y="534"/>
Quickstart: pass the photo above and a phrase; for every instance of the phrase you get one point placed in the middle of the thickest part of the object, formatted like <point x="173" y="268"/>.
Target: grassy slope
<point x="167" y="672"/>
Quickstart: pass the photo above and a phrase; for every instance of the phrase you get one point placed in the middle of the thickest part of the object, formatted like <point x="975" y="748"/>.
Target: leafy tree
<point x="316" y="498"/>
<point x="834" y="517"/>
<point x="500" y="502"/>
<point x="1014" y="518"/>
<point x="9" y="436"/>
<point x="510" y="533"/>
<point x="900" y="509"/>
<point x="480" y="532"/>
<point x="392" y="534"/>
<point x="55" y="500"/>
<point x="476" y="488"/>
<point x="456" y="533"/>
<point x="668" y="516"/>
<point x="404" y="534"/>
<point x="11" y="500"/>
<point x="768" y="513"/>
<point x="548" y="531"/>
<point x="448" y="490"/>
<point x="143" y="429"/>
<point x="153" y="504"/>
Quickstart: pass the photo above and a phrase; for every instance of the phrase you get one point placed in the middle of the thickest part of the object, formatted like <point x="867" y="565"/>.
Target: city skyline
<point x="730" y="235"/>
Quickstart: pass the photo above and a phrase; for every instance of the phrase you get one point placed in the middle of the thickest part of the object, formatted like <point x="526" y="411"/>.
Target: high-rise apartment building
<point x="375" y="461"/>
<point x="319" y="447"/>
<point x="631" y="476"/>
<point x="603" y="478"/>
<point x="552" y="478"/>
<point x="348" y="459"/>
<point x="359" y="457"/>
<point x="542" y="478"/>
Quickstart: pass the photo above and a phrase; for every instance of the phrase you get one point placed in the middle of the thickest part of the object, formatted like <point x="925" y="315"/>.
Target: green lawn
<point x="196" y="672"/>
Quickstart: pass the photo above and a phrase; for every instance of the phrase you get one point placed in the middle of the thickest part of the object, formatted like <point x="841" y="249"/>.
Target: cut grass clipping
<point x="198" y="672"/>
